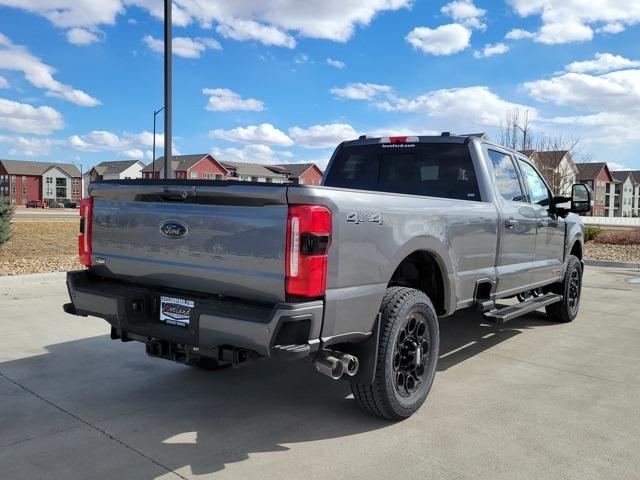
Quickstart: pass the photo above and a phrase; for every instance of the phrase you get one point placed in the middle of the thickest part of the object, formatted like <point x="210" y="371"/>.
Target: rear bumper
<point x="132" y="310"/>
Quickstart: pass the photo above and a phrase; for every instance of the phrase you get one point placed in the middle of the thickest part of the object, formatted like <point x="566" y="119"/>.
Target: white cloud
<point x="607" y="105"/>
<point x="225" y="100"/>
<point x="244" y="30"/>
<point x="519" y="34"/>
<point x="335" y="63"/>
<point x="4" y="83"/>
<point x="490" y="50"/>
<point x="469" y="106"/>
<point x="443" y="40"/>
<point x="262" y="154"/>
<point x="264" y="133"/>
<point x="29" y="146"/>
<point x="465" y="13"/>
<point x="82" y="36"/>
<point x="124" y="145"/>
<point x="18" y="58"/>
<point x="133" y="154"/>
<point x="25" y="118"/>
<point x="302" y="59"/>
<point x="361" y="91"/>
<point x="184" y="46"/>
<point x="271" y="23"/>
<point x="565" y="21"/>
<point x="322" y="136"/>
<point x="602" y="63"/>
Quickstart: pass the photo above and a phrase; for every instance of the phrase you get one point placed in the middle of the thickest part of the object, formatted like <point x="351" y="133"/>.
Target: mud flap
<point x="367" y="353"/>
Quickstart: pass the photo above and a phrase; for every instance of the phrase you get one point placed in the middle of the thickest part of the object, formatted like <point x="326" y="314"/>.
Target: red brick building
<point x="205" y="167"/>
<point x="195" y="167"/>
<point x="598" y="177"/>
<point x="22" y="181"/>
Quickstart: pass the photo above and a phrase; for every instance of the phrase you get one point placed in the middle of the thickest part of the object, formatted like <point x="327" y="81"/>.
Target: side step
<point x="504" y="314"/>
<point x="291" y="352"/>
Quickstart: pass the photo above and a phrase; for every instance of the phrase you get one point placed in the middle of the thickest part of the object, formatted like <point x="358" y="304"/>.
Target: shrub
<point x="6" y="212"/>
<point x="619" y="237"/>
<point x="591" y="232"/>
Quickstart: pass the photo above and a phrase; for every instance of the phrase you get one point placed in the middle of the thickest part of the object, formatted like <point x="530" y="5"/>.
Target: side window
<point x="538" y="191"/>
<point x="506" y="176"/>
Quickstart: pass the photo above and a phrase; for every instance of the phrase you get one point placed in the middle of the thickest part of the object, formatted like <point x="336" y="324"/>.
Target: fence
<point x="613" y="221"/>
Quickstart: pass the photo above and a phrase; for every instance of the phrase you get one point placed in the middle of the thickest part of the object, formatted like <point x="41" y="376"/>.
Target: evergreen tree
<point x="6" y="212"/>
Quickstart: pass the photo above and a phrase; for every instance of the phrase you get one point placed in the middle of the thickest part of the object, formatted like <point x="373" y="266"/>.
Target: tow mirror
<point x="580" y="198"/>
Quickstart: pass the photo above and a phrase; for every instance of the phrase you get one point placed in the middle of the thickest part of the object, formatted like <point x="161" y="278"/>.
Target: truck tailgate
<point x="210" y="237"/>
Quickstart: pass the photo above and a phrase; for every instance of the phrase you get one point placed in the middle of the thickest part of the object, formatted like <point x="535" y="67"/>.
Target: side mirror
<point x="580" y="198"/>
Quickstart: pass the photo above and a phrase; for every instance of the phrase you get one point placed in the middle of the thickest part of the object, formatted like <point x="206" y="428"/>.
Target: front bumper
<point x="132" y="310"/>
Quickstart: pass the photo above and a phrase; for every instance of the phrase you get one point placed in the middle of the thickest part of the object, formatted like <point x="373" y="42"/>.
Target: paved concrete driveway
<point x="527" y="400"/>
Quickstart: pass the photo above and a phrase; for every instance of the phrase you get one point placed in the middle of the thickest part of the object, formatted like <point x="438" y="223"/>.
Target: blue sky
<point x="285" y="81"/>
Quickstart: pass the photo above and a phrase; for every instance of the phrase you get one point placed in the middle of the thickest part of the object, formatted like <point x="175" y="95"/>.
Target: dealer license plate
<point x="175" y="311"/>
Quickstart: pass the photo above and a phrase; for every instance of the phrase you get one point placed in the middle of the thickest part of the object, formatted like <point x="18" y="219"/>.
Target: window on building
<point x="218" y="176"/>
<point x="194" y="175"/>
<point x="301" y="181"/>
<point x="506" y="176"/>
<point x="76" y="192"/>
<point x="76" y="182"/>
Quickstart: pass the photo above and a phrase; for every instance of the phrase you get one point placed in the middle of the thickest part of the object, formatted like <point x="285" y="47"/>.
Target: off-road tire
<point x="385" y="397"/>
<point x="570" y="288"/>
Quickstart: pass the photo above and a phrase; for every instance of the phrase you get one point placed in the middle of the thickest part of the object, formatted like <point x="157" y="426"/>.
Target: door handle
<point x="510" y="223"/>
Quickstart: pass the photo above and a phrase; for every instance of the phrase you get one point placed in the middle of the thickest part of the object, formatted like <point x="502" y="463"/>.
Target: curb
<point x="607" y="263"/>
<point x="41" y="278"/>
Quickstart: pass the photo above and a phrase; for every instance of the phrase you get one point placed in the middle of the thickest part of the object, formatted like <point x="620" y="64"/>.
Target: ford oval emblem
<point x="173" y="229"/>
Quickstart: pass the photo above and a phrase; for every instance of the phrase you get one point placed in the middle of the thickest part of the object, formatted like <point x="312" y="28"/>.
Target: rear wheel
<point x="407" y="356"/>
<point x="570" y="288"/>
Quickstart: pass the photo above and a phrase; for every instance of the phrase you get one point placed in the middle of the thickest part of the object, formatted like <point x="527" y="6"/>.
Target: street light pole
<point x="168" y="50"/>
<point x="153" y="162"/>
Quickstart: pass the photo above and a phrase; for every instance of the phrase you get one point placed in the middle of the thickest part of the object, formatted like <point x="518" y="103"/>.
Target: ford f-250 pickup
<point x="351" y="275"/>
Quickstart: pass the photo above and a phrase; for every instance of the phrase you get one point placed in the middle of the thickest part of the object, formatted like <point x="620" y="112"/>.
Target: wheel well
<point x="577" y="250"/>
<point x="421" y="271"/>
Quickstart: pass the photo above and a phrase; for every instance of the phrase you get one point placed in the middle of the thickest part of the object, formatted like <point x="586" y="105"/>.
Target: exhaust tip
<point x="329" y="366"/>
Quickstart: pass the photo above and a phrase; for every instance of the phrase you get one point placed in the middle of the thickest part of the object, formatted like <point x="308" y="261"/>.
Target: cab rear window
<point x="429" y="169"/>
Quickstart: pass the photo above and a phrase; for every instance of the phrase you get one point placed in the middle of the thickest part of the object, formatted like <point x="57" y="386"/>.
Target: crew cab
<point x="351" y="275"/>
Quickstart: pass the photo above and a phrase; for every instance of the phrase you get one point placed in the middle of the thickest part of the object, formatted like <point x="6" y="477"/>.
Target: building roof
<point x="115" y="167"/>
<point x="590" y="170"/>
<point x="21" y="167"/>
<point x="295" y="170"/>
<point x="622" y="175"/>
<point x="179" y="163"/>
<point x="551" y="158"/>
<point x="251" y="169"/>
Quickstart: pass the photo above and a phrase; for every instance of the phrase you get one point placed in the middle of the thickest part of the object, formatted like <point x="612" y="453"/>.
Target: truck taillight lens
<point x="86" y="228"/>
<point x="308" y="240"/>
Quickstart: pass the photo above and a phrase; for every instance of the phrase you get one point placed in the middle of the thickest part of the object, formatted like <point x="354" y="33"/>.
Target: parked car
<point x="36" y="204"/>
<point x="69" y="203"/>
<point x="351" y="275"/>
<point x="55" y="204"/>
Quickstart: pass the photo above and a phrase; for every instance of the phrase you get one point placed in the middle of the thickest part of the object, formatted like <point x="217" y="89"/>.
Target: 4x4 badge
<point x="364" y="217"/>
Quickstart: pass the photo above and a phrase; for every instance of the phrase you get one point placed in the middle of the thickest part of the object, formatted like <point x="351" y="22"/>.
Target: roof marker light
<point x="399" y="140"/>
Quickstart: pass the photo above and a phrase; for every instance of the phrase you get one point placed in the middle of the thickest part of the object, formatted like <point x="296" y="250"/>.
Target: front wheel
<point x="407" y="356"/>
<point x="570" y="288"/>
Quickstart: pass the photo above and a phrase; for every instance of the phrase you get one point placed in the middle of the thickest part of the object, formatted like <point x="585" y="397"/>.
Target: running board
<point x="504" y="314"/>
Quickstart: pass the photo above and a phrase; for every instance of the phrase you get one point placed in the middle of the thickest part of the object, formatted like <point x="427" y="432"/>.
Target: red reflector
<point x="308" y="239"/>
<point x="86" y="230"/>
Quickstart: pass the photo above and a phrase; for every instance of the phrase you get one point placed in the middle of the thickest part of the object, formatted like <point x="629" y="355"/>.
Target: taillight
<point x="308" y="240"/>
<point x="86" y="228"/>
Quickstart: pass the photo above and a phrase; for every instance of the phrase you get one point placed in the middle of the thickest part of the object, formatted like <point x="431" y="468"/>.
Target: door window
<point x="538" y="191"/>
<point x="506" y="176"/>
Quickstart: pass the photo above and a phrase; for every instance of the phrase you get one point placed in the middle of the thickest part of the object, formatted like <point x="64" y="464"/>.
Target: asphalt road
<point x="528" y="400"/>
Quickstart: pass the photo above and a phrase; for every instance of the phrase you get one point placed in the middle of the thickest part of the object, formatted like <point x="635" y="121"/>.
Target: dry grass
<point x="618" y="237"/>
<point x="40" y="246"/>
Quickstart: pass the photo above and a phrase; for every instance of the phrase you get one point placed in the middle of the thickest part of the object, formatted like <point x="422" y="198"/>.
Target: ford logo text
<point x="173" y="229"/>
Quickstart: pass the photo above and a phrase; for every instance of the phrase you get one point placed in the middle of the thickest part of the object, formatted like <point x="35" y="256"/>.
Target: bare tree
<point x="515" y="130"/>
<point x="554" y="155"/>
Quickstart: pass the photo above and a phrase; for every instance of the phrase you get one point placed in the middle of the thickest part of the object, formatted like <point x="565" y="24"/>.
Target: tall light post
<point x="153" y="163"/>
<point x="168" y="50"/>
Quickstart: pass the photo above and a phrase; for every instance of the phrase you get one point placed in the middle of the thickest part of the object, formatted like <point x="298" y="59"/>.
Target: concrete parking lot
<point x="529" y="399"/>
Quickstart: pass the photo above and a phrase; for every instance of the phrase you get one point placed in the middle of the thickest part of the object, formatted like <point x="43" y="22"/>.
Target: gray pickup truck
<point x="351" y="275"/>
